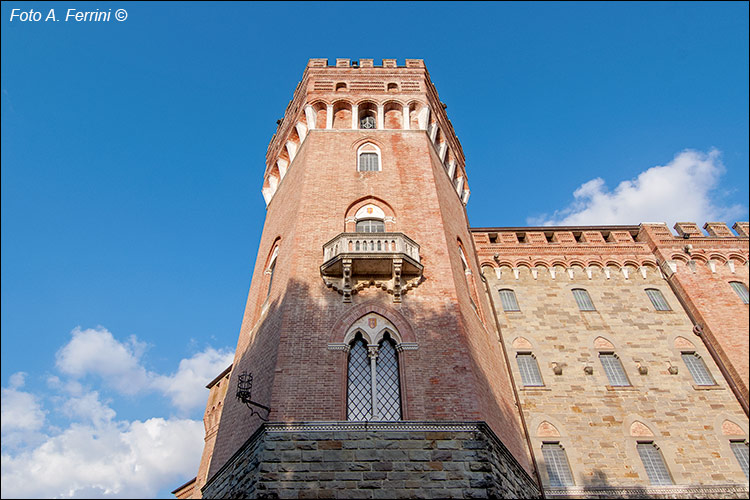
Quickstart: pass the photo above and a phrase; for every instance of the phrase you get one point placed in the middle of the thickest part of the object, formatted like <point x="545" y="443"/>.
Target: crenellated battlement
<point x="336" y="97"/>
<point x="615" y="246"/>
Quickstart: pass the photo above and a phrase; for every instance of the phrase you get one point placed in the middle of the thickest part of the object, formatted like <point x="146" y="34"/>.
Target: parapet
<point x="365" y="63"/>
<point x="691" y="230"/>
<point x="556" y="235"/>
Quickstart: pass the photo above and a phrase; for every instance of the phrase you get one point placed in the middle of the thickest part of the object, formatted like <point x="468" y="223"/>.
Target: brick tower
<point x="367" y="331"/>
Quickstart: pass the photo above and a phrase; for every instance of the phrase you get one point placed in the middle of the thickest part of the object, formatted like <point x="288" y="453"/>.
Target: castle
<point x="390" y="350"/>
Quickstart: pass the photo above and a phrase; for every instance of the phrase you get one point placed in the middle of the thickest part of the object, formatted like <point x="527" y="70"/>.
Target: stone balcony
<point x="354" y="261"/>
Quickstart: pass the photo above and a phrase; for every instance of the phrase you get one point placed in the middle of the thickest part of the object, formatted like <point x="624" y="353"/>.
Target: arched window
<point x="508" y="299"/>
<point x="368" y="113"/>
<point x="366" y="400"/>
<point x="387" y="383"/>
<point x="653" y="462"/>
<point x="739" y="448"/>
<point x="529" y="369"/>
<point x="370" y="219"/>
<point x="359" y="382"/>
<point x="583" y="299"/>
<point x="614" y="370"/>
<point x="697" y="368"/>
<point x="658" y="300"/>
<point x="368" y="158"/>
<point x="556" y="462"/>
<point x="741" y="290"/>
<point x="271" y="269"/>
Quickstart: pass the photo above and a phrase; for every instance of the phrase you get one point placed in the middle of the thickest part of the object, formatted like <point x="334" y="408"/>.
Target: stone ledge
<point x="676" y="491"/>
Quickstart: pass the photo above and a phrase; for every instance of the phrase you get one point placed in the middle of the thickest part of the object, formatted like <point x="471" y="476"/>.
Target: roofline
<point x="555" y="228"/>
<point x="219" y="377"/>
<point x="186" y="484"/>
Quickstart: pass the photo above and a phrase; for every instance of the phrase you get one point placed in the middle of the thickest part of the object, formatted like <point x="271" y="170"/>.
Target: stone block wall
<point x="372" y="460"/>
<point x="599" y="424"/>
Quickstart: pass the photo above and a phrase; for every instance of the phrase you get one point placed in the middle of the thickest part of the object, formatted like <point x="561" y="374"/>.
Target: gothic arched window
<point x="368" y="158"/>
<point x="359" y="382"/>
<point x="368" y="363"/>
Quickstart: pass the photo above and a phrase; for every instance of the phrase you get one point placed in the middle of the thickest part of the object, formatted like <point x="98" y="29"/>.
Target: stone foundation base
<point x="372" y="460"/>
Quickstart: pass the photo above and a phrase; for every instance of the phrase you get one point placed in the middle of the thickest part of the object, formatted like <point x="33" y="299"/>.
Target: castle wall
<point x="702" y="267"/>
<point x="599" y="424"/>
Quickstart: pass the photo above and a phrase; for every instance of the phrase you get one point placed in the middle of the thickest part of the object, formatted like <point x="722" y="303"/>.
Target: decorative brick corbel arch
<point x="340" y="328"/>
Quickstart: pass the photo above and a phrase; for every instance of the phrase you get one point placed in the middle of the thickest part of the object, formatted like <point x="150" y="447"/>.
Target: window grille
<point x="508" y="299"/>
<point x="740" y="451"/>
<point x="658" y="300"/>
<point x="368" y="162"/>
<point x="367" y="122"/>
<point x="654" y="464"/>
<point x="386" y="398"/>
<point x="614" y="370"/>
<point x="557" y="465"/>
<point x="741" y="290"/>
<point x="697" y="369"/>
<point x="583" y="300"/>
<point x="529" y="369"/>
<point x="359" y="383"/>
<point x="370" y="226"/>
<point x="389" y="397"/>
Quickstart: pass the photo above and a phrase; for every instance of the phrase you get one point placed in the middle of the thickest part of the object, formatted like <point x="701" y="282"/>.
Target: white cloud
<point x="97" y="352"/>
<point x="192" y="373"/>
<point x="679" y="191"/>
<point x="118" y="364"/>
<point x="110" y="459"/>
<point x="88" y="453"/>
<point x="21" y="414"/>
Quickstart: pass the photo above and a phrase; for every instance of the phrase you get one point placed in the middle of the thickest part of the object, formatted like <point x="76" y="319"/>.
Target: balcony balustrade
<point x="354" y="261"/>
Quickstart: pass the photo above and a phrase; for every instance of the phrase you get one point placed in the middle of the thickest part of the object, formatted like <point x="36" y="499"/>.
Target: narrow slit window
<point x="529" y="369"/>
<point x="556" y="462"/>
<point x="658" y="300"/>
<point x="740" y="450"/>
<point x="583" y="299"/>
<point x="741" y="290"/>
<point x="654" y="464"/>
<point x="508" y="299"/>
<point x="614" y="370"/>
<point x="697" y="369"/>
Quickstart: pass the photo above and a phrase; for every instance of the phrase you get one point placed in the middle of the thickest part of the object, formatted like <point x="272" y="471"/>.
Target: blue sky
<point x="133" y="155"/>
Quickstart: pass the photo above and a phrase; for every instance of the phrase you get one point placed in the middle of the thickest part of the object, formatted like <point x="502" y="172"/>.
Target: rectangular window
<point x="740" y="451"/>
<point x="583" y="300"/>
<point x="613" y="369"/>
<point x="368" y="162"/>
<point x="658" y="300"/>
<point x="654" y="464"/>
<point x="697" y="369"/>
<point x="508" y="298"/>
<point x="529" y="369"/>
<point x="557" y="465"/>
<point x="741" y="290"/>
